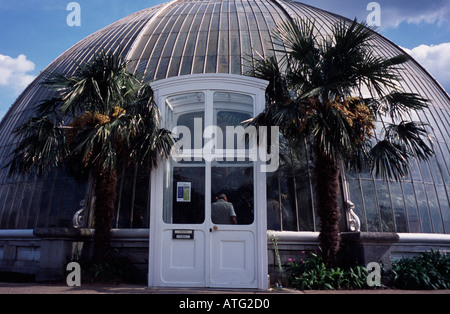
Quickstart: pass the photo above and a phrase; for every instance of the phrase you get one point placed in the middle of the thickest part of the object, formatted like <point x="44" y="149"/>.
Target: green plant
<point x="314" y="274"/>
<point x="116" y="268"/>
<point x="428" y="271"/>
<point x="356" y="277"/>
<point x="274" y="240"/>
<point x="283" y="279"/>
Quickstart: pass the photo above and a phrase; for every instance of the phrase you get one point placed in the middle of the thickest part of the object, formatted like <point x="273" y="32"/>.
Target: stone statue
<point x="353" y="222"/>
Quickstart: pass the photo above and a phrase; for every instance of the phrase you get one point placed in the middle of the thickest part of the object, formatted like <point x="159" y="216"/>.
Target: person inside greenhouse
<point x="222" y="212"/>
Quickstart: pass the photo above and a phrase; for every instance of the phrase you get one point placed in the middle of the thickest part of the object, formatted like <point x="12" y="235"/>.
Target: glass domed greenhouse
<point x="196" y="54"/>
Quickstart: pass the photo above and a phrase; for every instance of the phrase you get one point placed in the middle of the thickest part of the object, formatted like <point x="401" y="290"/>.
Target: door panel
<point x="233" y="259"/>
<point x="183" y="260"/>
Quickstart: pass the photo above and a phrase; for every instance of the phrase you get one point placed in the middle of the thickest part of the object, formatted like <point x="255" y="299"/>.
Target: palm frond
<point x="269" y="70"/>
<point x="360" y="158"/>
<point x="41" y="148"/>
<point x="351" y="38"/>
<point x="376" y="73"/>
<point x="396" y="104"/>
<point x="297" y="36"/>
<point x="411" y="136"/>
<point x="390" y="160"/>
<point x="99" y="85"/>
<point x="48" y="107"/>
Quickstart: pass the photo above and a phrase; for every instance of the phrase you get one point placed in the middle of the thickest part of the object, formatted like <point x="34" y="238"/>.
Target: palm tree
<point x="103" y="117"/>
<point x="333" y="90"/>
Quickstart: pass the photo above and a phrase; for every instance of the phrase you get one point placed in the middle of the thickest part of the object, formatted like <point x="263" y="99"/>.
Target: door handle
<point x="215" y="228"/>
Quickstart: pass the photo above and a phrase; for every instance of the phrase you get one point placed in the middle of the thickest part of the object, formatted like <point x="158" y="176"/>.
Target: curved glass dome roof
<point x="183" y="37"/>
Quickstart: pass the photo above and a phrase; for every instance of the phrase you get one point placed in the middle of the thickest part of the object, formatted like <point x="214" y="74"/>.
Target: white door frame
<point x="201" y="83"/>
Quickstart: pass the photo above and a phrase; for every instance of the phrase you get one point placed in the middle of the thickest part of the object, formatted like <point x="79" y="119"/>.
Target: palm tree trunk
<point x="105" y="193"/>
<point x="327" y="192"/>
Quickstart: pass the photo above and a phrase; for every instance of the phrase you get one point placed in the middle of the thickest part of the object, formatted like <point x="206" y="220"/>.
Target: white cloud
<point x="436" y="59"/>
<point x="393" y="13"/>
<point x="14" y="72"/>
<point x="435" y="12"/>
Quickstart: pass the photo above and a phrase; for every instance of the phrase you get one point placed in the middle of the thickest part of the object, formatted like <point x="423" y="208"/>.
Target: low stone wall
<point x="363" y="247"/>
<point x="134" y="244"/>
<point x="20" y="252"/>
<point x="412" y="244"/>
<point x="58" y="246"/>
<point x="44" y="252"/>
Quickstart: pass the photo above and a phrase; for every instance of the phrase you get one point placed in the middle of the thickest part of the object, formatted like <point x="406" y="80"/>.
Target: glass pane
<point x="34" y="210"/>
<point x="190" y="135"/>
<point x="9" y="198"/>
<point x="441" y="163"/>
<point x="411" y="208"/>
<point x="43" y="207"/>
<point x="15" y="206"/>
<point x="55" y="205"/>
<point x="186" y="112"/>
<point x="435" y="212"/>
<point x="373" y="219"/>
<point x="384" y="203"/>
<point x="355" y="197"/>
<point x="236" y="183"/>
<point x="186" y="102"/>
<point x="445" y="207"/>
<point x="239" y="140"/>
<point x="67" y="211"/>
<point x="298" y="170"/>
<point x="233" y="101"/>
<point x="304" y="195"/>
<point x="277" y="213"/>
<point x="24" y="207"/>
<point x="125" y="200"/>
<point x="184" y="198"/>
<point x="425" y="171"/>
<point x="140" y="215"/>
<point x="230" y="111"/>
<point x="423" y="208"/>
<point x="398" y="207"/>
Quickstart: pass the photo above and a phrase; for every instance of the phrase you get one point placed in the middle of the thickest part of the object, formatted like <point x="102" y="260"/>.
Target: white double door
<point x="225" y="257"/>
<point x="187" y="249"/>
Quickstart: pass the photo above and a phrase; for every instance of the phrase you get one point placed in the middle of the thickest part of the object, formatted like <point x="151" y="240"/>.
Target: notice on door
<point x="183" y="234"/>
<point x="183" y="192"/>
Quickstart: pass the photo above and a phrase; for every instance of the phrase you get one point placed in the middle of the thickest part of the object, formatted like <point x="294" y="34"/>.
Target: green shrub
<point x="314" y="274"/>
<point x="428" y="271"/>
<point x="115" y="269"/>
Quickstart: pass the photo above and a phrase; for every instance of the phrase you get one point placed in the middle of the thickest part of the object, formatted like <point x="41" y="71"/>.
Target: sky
<point x="35" y="32"/>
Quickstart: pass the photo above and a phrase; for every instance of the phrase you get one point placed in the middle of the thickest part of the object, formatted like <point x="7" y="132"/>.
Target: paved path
<point x="34" y="288"/>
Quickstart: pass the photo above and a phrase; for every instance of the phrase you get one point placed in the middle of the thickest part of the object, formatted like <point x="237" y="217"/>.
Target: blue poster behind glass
<point x="183" y="191"/>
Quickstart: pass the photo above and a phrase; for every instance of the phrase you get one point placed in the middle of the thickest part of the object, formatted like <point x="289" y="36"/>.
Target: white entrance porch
<point x="187" y="248"/>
